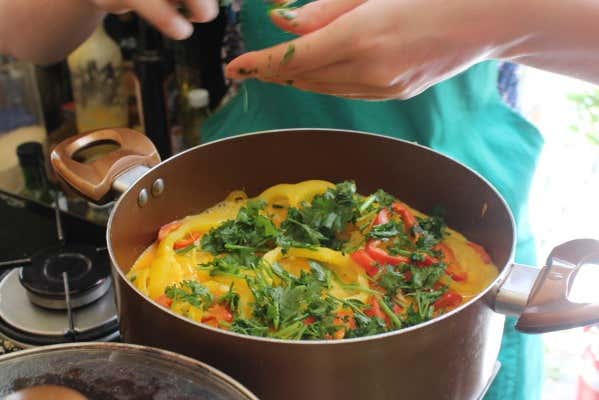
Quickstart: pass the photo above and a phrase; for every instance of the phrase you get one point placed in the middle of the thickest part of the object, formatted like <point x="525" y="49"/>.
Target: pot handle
<point x="95" y="176"/>
<point x="562" y="295"/>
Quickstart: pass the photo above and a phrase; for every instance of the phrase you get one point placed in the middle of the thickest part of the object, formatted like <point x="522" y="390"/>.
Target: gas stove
<point x="55" y="284"/>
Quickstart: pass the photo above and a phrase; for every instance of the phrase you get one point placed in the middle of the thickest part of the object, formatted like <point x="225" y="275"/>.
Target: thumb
<point x="312" y="16"/>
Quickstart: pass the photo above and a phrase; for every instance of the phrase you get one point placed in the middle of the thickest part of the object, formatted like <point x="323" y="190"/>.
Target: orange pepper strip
<point x="181" y="244"/>
<point x="481" y="251"/>
<point x="407" y="217"/>
<point x="164" y="301"/>
<point x="454" y="269"/>
<point x="168" y="228"/>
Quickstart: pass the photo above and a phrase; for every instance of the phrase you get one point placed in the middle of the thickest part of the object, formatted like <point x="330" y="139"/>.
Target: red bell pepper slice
<point x="362" y="258"/>
<point x="164" y="301"/>
<point x="397" y="309"/>
<point x="427" y="261"/>
<point x="449" y="299"/>
<point x="181" y="244"/>
<point x="454" y="269"/>
<point x="481" y="251"/>
<point x="309" y="320"/>
<point x="383" y="217"/>
<point x="381" y="256"/>
<point x="345" y="320"/>
<point x="405" y="214"/>
<point x="375" y="309"/>
<point x="216" y="314"/>
<point x="168" y="228"/>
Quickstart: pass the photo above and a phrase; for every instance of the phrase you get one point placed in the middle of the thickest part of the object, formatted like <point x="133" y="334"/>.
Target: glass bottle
<point x="21" y="118"/>
<point x="96" y="69"/>
<point x="197" y="110"/>
<point x="31" y="160"/>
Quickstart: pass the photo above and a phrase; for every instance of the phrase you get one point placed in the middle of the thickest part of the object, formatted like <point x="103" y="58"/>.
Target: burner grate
<point x="83" y="269"/>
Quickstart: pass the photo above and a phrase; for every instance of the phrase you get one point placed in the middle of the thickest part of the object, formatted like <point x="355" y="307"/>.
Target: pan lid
<point x="116" y="371"/>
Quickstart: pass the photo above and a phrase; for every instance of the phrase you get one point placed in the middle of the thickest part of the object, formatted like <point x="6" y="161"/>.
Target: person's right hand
<point x="163" y="14"/>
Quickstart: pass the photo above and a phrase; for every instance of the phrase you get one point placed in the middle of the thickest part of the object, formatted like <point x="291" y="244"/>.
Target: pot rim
<point x="169" y="355"/>
<point x="503" y="273"/>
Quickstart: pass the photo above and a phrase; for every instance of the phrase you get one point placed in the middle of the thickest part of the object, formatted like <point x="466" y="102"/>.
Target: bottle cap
<point x="198" y="98"/>
<point x="30" y="153"/>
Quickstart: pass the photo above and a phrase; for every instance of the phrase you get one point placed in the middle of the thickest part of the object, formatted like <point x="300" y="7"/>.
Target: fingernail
<point x="181" y="28"/>
<point x="287" y="13"/>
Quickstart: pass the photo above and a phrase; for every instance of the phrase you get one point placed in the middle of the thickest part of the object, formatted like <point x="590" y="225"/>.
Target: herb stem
<point x="389" y="312"/>
<point x="367" y="203"/>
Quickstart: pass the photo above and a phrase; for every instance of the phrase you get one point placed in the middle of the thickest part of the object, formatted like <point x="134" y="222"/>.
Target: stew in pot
<point x="312" y="260"/>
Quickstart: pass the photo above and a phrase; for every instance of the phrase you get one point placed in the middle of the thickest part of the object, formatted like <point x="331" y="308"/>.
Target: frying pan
<point x="450" y="357"/>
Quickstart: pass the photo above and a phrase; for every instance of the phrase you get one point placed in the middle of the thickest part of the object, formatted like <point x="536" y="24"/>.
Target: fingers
<point x="313" y="16"/>
<point x="202" y="10"/>
<point x="320" y="48"/>
<point x="164" y="17"/>
<point x="365" y="72"/>
<point x="353" y="91"/>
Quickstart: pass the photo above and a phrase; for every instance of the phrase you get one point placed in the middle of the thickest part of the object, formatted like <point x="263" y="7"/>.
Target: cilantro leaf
<point x="232" y="264"/>
<point x="319" y="222"/>
<point x="250" y="231"/>
<point x="191" y="292"/>
<point x="383" y="198"/>
<point x="387" y="230"/>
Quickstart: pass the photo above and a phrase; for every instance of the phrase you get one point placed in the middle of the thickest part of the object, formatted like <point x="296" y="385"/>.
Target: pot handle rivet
<point x="142" y="197"/>
<point x="157" y="187"/>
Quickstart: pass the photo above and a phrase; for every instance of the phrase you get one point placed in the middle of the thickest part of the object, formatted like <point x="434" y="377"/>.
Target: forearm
<point x="45" y="31"/>
<point x="555" y="35"/>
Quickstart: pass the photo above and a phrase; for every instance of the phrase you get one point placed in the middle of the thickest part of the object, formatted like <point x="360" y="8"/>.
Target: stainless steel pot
<point x="451" y="357"/>
<point x="112" y="371"/>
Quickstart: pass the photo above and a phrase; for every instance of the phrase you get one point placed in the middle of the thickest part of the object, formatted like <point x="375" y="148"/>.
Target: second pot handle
<point x="94" y="178"/>
<point x="563" y="295"/>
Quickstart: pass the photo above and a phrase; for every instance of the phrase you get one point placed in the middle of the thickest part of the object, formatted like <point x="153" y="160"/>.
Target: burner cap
<point x="87" y="270"/>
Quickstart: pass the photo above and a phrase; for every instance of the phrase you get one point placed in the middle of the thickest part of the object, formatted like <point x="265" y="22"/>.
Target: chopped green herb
<point x="383" y="198"/>
<point x="191" y="292"/>
<point x="386" y="231"/>
<point x="231" y="300"/>
<point x="249" y="232"/>
<point x="289" y="53"/>
<point x="320" y="222"/>
<point x="245" y="72"/>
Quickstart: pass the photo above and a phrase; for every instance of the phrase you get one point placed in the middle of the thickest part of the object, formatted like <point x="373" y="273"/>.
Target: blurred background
<point x="564" y="203"/>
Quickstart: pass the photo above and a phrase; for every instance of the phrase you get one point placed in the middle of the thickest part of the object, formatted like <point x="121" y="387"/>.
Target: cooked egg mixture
<point x="312" y="260"/>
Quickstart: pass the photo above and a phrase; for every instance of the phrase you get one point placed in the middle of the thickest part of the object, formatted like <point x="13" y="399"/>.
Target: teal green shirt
<point x="463" y="117"/>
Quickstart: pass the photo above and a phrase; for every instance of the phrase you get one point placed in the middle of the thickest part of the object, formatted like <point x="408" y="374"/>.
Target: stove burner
<point x="24" y="324"/>
<point x="74" y="264"/>
<point x="85" y="267"/>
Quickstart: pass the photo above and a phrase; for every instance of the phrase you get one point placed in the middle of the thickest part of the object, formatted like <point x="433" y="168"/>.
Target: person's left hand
<point x="379" y="49"/>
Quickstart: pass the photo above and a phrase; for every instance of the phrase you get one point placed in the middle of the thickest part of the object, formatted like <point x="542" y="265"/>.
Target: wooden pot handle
<point x="93" y="178"/>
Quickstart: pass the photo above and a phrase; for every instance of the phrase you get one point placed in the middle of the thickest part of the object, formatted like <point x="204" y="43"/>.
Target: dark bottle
<point x="151" y="69"/>
<point x="31" y="160"/>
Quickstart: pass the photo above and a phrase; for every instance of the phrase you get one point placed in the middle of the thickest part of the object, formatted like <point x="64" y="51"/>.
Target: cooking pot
<point x="112" y="371"/>
<point x="450" y="357"/>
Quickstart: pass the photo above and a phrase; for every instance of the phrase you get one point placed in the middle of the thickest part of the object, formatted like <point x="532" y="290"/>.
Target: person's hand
<point x="163" y="14"/>
<point x="378" y="49"/>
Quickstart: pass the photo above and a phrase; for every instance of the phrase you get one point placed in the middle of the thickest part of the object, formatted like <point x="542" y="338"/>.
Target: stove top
<point x="81" y="271"/>
<point x="31" y="325"/>
<point x="55" y="284"/>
